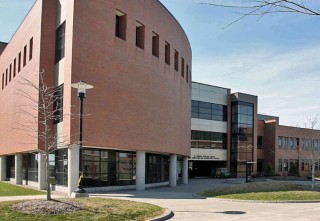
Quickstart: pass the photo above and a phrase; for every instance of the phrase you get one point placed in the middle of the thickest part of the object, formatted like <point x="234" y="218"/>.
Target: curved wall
<point x="139" y="102"/>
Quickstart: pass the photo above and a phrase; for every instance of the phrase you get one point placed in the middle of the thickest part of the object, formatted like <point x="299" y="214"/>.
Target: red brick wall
<point x="14" y="136"/>
<point x="139" y="102"/>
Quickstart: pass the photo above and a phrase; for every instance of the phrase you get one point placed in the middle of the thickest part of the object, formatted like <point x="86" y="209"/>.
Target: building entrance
<point x="198" y="169"/>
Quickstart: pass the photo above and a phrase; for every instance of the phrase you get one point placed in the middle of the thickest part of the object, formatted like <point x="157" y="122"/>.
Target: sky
<point x="276" y="57"/>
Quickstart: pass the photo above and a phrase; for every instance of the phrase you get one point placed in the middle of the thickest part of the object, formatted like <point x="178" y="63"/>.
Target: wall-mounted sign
<point x="204" y="157"/>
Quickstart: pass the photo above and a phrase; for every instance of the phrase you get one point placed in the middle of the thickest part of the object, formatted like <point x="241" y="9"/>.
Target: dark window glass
<point x="182" y="67"/>
<point x="208" y="140"/>
<point x="121" y="25"/>
<point x="176" y="60"/>
<point x="10" y="72"/>
<point x="61" y="167"/>
<point x="14" y="67"/>
<point x="6" y="77"/>
<point x="2" y="81"/>
<point x="167" y="53"/>
<point x="108" y="168"/>
<point x="24" y="55"/>
<point x="19" y="62"/>
<point x="30" y="48"/>
<point x="205" y="104"/>
<point x="60" y="42"/>
<point x="209" y="111"/>
<point x="260" y="142"/>
<point x="195" y="103"/>
<point x="155" y="44"/>
<point x="140" y="29"/>
<point x="187" y="74"/>
<point x="157" y="168"/>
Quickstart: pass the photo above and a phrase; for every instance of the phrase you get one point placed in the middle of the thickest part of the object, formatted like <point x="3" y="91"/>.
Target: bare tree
<point x="310" y="148"/>
<point x="44" y="108"/>
<point x="261" y="8"/>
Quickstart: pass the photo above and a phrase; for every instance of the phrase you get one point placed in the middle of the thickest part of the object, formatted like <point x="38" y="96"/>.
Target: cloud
<point x="286" y="82"/>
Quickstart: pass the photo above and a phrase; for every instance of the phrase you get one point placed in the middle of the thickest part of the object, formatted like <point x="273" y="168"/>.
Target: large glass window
<point x="60" y="42"/>
<point x="208" y="111"/>
<point x="108" y="167"/>
<point x="157" y="168"/>
<point x="61" y="167"/>
<point x="208" y="140"/>
<point x="30" y="167"/>
<point x="242" y="136"/>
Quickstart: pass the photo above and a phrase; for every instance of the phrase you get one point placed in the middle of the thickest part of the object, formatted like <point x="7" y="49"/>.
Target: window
<point x="182" y="67"/>
<point x="121" y="25"/>
<point x="58" y="104"/>
<point x="280" y="142"/>
<point x="187" y="74"/>
<point x="157" y="168"/>
<point x="155" y="44"/>
<point x="10" y="72"/>
<point x="176" y="60"/>
<point x="60" y="42"/>
<point x="167" y="53"/>
<point x="24" y="55"/>
<point x="30" y="48"/>
<point x="208" y="111"/>
<point x="14" y="67"/>
<point x="260" y="142"/>
<point x="19" y="62"/>
<point x="208" y="140"/>
<point x="140" y="29"/>
<point x="2" y="81"/>
<point x="6" y="77"/>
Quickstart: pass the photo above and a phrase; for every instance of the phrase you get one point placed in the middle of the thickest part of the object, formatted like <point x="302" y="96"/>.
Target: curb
<point x="198" y="196"/>
<point x="264" y="201"/>
<point x="255" y="201"/>
<point x="167" y="215"/>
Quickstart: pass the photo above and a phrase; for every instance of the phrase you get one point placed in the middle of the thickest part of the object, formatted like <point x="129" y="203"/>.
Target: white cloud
<point x="286" y="82"/>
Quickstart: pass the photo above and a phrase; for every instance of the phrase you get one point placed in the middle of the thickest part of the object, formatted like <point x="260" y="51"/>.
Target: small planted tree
<point x="46" y="107"/>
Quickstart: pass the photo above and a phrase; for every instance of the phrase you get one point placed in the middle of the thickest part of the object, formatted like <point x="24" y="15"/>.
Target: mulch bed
<point x="47" y="207"/>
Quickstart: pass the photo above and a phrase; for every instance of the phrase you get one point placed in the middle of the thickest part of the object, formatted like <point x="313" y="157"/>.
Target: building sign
<point x="204" y="157"/>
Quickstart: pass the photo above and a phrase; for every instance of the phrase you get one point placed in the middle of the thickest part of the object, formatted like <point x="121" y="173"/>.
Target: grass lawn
<point x="7" y="189"/>
<point x="264" y="191"/>
<point x="94" y="209"/>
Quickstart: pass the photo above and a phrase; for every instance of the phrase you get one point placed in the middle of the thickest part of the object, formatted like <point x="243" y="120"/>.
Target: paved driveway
<point x="186" y="207"/>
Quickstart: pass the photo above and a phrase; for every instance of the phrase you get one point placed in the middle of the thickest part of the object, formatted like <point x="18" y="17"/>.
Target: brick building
<point x="227" y="131"/>
<point x="137" y="127"/>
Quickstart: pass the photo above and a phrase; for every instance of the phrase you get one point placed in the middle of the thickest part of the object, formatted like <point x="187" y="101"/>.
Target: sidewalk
<point x="188" y="208"/>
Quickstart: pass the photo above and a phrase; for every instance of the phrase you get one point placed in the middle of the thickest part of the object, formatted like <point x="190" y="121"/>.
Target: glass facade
<point x="157" y="168"/>
<point x="108" y="167"/>
<point x="61" y="167"/>
<point x="208" y="140"/>
<point x="30" y="167"/>
<point x="208" y="111"/>
<point x="242" y="136"/>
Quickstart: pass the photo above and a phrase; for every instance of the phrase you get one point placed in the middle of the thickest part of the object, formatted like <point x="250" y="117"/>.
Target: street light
<point x="82" y="87"/>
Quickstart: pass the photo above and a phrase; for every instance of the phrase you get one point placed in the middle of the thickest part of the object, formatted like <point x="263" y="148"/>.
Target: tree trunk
<point x="48" y="177"/>
<point x="312" y="174"/>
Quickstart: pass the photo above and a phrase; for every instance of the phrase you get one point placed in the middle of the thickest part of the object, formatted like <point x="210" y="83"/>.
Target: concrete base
<point x="79" y="195"/>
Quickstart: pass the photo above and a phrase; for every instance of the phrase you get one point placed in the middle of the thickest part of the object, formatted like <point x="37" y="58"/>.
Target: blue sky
<point x="275" y="58"/>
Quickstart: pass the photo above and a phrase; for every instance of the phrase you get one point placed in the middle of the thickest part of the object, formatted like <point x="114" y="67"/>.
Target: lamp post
<point x="81" y="86"/>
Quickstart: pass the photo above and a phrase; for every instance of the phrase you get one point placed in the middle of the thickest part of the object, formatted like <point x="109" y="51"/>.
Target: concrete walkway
<point x="186" y="207"/>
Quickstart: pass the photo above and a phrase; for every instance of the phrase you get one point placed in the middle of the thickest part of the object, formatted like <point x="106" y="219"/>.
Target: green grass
<point x="264" y="191"/>
<point x="94" y="209"/>
<point x="12" y="190"/>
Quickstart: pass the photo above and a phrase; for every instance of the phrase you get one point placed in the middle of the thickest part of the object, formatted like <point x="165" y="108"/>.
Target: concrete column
<point x="185" y="170"/>
<point x="18" y="168"/>
<point x="73" y="169"/>
<point x="173" y="170"/>
<point x="3" y="168"/>
<point x="141" y="170"/>
<point x="42" y="182"/>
